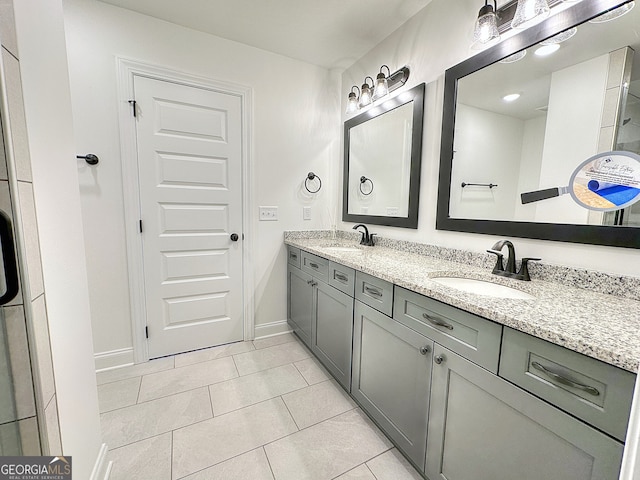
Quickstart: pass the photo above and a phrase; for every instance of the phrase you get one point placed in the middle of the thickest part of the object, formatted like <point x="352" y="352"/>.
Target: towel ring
<point x="364" y="180"/>
<point x="312" y="176"/>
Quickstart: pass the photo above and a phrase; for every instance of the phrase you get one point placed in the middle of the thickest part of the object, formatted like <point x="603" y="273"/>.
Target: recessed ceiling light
<point x="547" y="50"/>
<point x="511" y="97"/>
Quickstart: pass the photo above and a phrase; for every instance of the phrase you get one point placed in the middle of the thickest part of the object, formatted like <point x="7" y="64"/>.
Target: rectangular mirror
<point x="382" y="156"/>
<point x="517" y="121"/>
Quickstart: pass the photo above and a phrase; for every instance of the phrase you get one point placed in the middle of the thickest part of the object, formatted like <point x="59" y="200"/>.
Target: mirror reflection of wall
<point x="380" y="150"/>
<point x="628" y="139"/>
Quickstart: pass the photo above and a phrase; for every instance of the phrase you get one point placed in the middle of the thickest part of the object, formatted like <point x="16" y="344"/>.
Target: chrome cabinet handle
<point x="424" y="350"/>
<point x="373" y="291"/>
<point x="293" y="255"/>
<point x="566" y="381"/>
<point x="439" y="359"/>
<point x="309" y="282"/>
<point x="341" y="277"/>
<point x="436" y="322"/>
<point x="314" y="265"/>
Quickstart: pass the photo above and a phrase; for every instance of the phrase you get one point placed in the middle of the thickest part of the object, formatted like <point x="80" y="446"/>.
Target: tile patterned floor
<point x="261" y="410"/>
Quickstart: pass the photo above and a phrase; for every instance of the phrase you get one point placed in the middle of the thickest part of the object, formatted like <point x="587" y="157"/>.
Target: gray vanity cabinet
<point x="300" y="304"/>
<point x="322" y="316"/>
<point x="482" y="427"/>
<point x="392" y="378"/>
<point x="333" y="331"/>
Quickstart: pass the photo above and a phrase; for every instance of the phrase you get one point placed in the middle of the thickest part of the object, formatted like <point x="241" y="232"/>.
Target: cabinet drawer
<point x="473" y="337"/>
<point x="293" y="256"/>
<point x="374" y="292"/>
<point x="316" y="266"/>
<point x="598" y="393"/>
<point x="341" y="277"/>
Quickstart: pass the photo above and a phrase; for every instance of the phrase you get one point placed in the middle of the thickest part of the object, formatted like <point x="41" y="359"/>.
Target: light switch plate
<point x="306" y="213"/>
<point x="268" y="214"/>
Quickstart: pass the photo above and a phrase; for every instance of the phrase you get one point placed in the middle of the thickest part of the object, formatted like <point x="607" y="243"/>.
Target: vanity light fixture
<point x="352" y="102"/>
<point x="614" y="13"/>
<point x="366" y="95"/>
<point x="486" y="28"/>
<point x="546" y="50"/>
<point x="381" y="88"/>
<point x="375" y="90"/>
<point x="529" y="12"/>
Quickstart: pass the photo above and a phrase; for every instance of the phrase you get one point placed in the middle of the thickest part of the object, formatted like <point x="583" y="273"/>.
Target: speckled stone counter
<point x="599" y="325"/>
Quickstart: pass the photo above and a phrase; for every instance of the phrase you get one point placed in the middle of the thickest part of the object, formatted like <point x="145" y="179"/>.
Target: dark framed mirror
<point x="382" y="158"/>
<point x="580" y="101"/>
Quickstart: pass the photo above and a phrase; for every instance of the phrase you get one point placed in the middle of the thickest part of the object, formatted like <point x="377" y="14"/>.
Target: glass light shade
<point x="352" y="103"/>
<point x="382" y="87"/>
<point x="365" y="96"/>
<point x="486" y="28"/>
<point x="529" y="12"/>
<point x="613" y="14"/>
<point x="515" y="57"/>
<point x="561" y="37"/>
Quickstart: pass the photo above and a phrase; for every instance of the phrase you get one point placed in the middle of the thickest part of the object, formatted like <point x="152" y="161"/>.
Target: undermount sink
<point x="343" y="249"/>
<point x="482" y="287"/>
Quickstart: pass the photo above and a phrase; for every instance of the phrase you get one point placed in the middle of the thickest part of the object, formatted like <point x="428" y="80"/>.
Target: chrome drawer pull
<point x="314" y="265"/>
<point x="341" y="277"/>
<point x="293" y="255"/>
<point x="437" y="322"/>
<point x="309" y="282"/>
<point x="373" y="291"/>
<point x="566" y="381"/>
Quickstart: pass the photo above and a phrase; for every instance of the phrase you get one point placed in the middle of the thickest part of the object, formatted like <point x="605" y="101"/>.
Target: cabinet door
<point x="300" y="303"/>
<point x="333" y="332"/>
<point x="391" y="378"/>
<point x="481" y="427"/>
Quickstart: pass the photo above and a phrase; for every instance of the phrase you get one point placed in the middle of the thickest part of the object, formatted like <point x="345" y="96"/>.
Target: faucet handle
<point x="499" y="265"/>
<point x="524" y="268"/>
<point x="371" y="240"/>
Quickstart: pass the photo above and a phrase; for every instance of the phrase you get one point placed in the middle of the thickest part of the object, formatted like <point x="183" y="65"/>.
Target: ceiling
<point x="329" y="33"/>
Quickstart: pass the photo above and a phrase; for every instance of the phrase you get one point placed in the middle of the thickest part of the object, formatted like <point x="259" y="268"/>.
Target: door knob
<point x="439" y="359"/>
<point x="424" y="350"/>
<point x="234" y="237"/>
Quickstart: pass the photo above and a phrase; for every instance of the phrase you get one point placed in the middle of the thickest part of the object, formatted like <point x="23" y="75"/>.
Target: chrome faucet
<point x="367" y="239"/>
<point x="510" y="269"/>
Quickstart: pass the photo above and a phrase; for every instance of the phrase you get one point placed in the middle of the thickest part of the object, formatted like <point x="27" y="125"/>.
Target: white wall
<point x="41" y="44"/>
<point x="437" y="38"/>
<point x="576" y="98"/>
<point x="296" y="129"/>
<point x="477" y="134"/>
<point x="531" y="158"/>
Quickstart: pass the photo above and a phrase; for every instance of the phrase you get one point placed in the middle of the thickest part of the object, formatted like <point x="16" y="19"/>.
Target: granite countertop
<point x="602" y="326"/>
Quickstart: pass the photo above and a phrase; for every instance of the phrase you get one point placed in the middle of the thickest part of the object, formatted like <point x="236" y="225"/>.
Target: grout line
<point x="368" y="468"/>
<point x="211" y="402"/>
<point x="139" y="390"/>
<point x="233" y="358"/>
<point x="273" y="475"/>
<point x="171" y="456"/>
<point x="159" y="398"/>
<point x="138" y="441"/>
<point x="301" y="374"/>
<point x="290" y="414"/>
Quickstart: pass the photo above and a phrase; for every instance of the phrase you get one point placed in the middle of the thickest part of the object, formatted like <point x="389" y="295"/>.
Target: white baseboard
<point x="102" y="467"/>
<point x="271" y="329"/>
<point x="113" y="359"/>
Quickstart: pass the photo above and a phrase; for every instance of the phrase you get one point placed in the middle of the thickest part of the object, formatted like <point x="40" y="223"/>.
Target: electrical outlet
<point x="306" y="213"/>
<point x="268" y="214"/>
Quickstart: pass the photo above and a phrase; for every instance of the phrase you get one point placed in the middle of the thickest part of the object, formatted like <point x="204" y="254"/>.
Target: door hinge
<point x="146" y="332"/>
<point x="140" y="226"/>
<point x="133" y="104"/>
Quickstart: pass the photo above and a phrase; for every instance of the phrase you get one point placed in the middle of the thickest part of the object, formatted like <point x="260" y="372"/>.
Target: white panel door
<point x="190" y="173"/>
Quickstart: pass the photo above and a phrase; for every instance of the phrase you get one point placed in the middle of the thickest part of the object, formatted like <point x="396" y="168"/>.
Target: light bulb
<point x="365" y="96"/>
<point x="352" y="103"/>
<point x="382" y="86"/>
